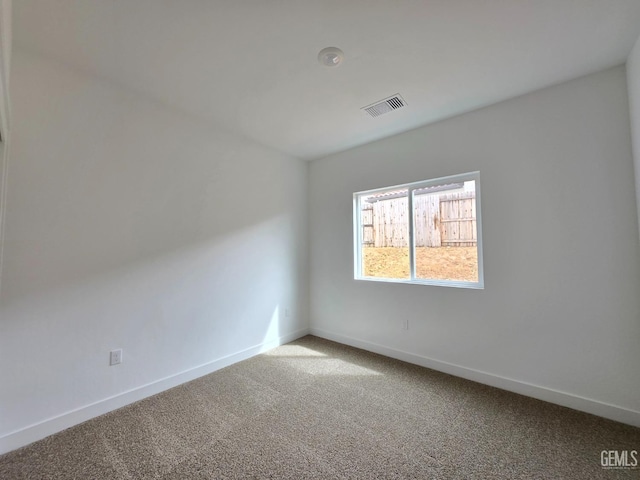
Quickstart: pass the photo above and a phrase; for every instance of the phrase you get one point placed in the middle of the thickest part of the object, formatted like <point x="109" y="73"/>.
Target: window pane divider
<point x="412" y="241"/>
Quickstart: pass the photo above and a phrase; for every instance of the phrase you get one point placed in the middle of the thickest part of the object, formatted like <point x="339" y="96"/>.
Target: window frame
<point x="357" y="232"/>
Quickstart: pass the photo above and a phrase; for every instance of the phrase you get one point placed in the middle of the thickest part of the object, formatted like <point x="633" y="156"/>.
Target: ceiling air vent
<point x="385" y="106"/>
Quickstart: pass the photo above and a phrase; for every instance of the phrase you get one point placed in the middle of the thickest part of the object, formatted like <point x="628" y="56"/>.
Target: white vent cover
<point x="385" y="106"/>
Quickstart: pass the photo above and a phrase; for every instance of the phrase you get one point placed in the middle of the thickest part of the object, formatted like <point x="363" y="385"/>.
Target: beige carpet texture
<point x="317" y="409"/>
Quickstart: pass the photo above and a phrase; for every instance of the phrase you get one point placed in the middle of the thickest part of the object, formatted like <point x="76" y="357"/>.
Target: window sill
<point x="436" y="283"/>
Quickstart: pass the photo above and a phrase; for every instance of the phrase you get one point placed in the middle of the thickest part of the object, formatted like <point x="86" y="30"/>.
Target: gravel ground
<point x="443" y="263"/>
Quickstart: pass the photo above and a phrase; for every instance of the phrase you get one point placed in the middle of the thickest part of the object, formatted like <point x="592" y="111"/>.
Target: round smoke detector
<point x="331" y="56"/>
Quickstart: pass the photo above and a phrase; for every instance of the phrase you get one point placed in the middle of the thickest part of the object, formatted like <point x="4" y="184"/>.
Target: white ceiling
<point x="250" y="65"/>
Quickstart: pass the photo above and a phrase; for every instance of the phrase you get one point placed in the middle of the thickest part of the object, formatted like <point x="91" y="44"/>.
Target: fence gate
<point x="458" y="219"/>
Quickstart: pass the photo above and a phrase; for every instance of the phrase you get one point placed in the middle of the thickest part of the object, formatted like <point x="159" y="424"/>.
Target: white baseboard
<point x="43" y="429"/>
<point x="601" y="409"/>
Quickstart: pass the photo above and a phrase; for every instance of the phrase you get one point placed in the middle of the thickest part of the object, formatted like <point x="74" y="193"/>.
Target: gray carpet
<point x="317" y="409"/>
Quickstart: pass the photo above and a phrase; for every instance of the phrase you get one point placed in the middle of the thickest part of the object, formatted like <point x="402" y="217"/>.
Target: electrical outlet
<point x="115" y="357"/>
<point x="405" y="324"/>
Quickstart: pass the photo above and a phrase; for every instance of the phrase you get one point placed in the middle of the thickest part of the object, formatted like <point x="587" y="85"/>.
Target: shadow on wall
<point x="169" y="314"/>
<point x="102" y="179"/>
<point x="131" y="225"/>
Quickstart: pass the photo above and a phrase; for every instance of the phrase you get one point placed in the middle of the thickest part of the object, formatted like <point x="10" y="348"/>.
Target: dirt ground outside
<point x="442" y="263"/>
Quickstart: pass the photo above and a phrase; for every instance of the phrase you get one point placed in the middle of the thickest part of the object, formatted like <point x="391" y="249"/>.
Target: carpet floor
<point x="318" y="409"/>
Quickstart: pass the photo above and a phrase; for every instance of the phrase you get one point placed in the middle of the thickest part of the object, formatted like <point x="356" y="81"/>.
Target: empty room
<point x="316" y="239"/>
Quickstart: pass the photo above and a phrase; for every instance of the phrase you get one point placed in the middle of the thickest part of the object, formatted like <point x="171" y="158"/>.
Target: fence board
<point x="366" y="219"/>
<point x="390" y="224"/>
<point x="426" y="209"/>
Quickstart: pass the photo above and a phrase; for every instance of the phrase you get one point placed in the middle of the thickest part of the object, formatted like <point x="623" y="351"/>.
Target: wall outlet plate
<point x="115" y="357"/>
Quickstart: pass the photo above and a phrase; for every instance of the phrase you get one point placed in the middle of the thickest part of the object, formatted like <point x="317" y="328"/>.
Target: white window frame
<point x="357" y="233"/>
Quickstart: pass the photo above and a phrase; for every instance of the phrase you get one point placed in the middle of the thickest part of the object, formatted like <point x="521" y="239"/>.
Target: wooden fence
<point x="439" y="220"/>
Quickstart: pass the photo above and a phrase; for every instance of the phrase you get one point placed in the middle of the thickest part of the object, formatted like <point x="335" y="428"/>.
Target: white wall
<point x="132" y="226"/>
<point x="559" y="317"/>
<point x="633" y="82"/>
